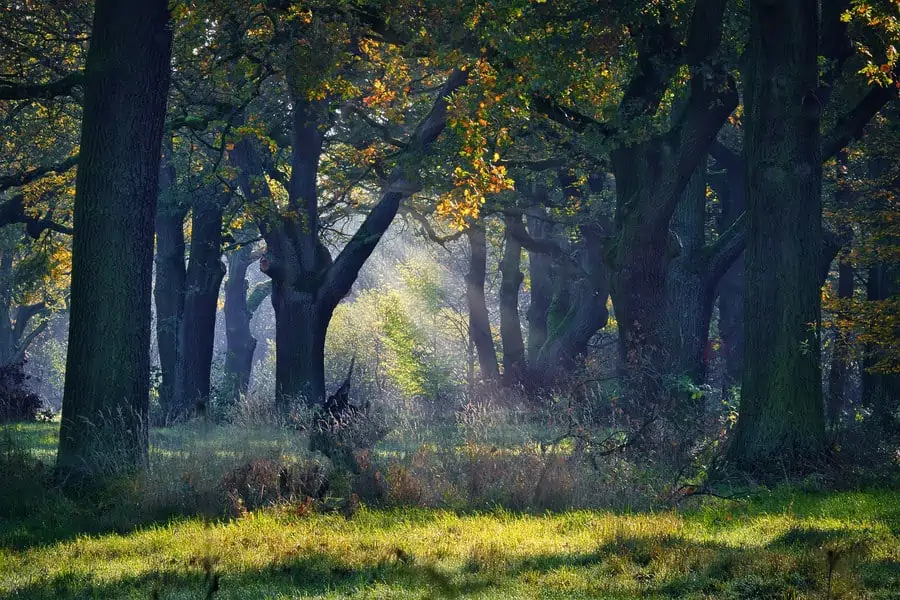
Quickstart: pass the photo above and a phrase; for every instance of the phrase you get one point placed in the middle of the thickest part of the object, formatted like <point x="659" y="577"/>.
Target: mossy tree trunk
<point x="651" y="177"/>
<point x="693" y="275"/>
<point x="781" y="417"/>
<point x="105" y="404"/>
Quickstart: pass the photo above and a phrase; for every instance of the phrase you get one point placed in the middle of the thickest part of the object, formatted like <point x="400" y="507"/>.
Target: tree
<point x="105" y="406"/>
<point x="241" y="302"/>
<point x="781" y="416"/>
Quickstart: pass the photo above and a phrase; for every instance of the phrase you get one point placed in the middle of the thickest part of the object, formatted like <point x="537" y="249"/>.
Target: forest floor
<point x="778" y="544"/>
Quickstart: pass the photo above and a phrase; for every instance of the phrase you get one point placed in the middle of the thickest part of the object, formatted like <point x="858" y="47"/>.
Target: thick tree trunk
<point x="638" y="284"/>
<point x="511" y="278"/>
<point x="105" y="406"/>
<point x="689" y="291"/>
<point x="540" y="267"/>
<point x="240" y="341"/>
<point x="198" y="324"/>
<point x="781" y="417"/>
<point x="170" y="280"/>
<point x="479" y="319"/>
<point x="301" y="323"/>
<point x="567" y="341"/>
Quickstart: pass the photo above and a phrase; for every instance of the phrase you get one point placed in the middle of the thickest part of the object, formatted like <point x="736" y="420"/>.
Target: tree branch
<point x="13" y="211"/>
<point x="851" y="126"/>
<point x="259" y="293"/>
<point x="26" y="177"/>
<point x="23" y="346"/>
<point x="341" y="275"/>
<point x="727" y="248"/>
<point x="24" y="315"/>
<point x="427" y="229"/>
<point x="47" y="91"/>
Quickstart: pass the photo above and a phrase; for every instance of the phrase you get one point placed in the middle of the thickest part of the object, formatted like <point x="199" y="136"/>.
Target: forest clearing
<point x="450" y="298"/>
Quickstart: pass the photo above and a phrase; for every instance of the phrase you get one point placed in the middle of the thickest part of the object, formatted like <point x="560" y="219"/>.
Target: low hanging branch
<point x="13" y="211"/>
<point x="427" y="228"/>
<point x="26" y="177"/>
<point x="851" y="126"/>
<point x="44" y="91"/>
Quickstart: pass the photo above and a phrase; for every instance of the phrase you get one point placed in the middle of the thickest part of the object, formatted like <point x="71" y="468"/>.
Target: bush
<point x="17" y="401"/>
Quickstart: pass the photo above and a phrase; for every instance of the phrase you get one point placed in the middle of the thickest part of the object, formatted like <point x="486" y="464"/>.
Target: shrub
<point x="17" y="401"/>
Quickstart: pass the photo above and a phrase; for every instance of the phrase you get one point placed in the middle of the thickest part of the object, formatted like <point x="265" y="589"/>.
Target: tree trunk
<point x="106" y="398"/>
<point x="638" y="287"/>
<point x="781" y="417"/>
<point x="301" y="323"/>
<point x="7" y="331"/>
<point x="689" y="291"/>
<point x="198" y="324"/>
<point x="240" y="341"/>
<point x="540" y="267"/>
<point x="510" y="324"/>
<point x="838" y="376"/>
<point x="586" y="312"/>
<point x="479" y="319"/>
<point x="170" y="281"/>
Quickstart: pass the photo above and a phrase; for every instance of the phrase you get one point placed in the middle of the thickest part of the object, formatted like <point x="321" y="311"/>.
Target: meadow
<point x="788" y="542"/>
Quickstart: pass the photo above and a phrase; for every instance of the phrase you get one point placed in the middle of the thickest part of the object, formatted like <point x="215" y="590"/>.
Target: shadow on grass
<point x="627" y="567"/>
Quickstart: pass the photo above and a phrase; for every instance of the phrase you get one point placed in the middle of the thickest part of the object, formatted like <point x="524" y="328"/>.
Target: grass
<point x="778" y="545"/>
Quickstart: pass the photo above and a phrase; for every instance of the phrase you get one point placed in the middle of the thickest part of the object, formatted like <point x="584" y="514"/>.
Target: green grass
<point x="774" y="546"/>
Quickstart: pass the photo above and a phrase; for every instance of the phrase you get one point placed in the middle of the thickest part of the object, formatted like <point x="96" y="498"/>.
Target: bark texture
<point x="781" y="411"/>
<point x="105" y="405"/>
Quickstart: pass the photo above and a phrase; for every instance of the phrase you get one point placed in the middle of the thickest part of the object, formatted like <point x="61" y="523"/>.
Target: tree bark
<point x="511" y="278"/>
<point x="301" y="322"/>
<point x="106" y="398"/>
<point x="201" y="296"/>
<point x="689" y="289"/>
<point x="586" y="294"/>
<point x="479" y="318"/>
<point x="170" y="281"/>
<point x="650" y="180"/>
<point x="540" y="267"/>
<point x="781" y="417"/>
<point x="240" y="305"/>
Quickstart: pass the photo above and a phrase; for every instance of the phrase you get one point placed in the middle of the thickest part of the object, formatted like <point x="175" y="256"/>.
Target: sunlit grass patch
<point x="722" y="550"/>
